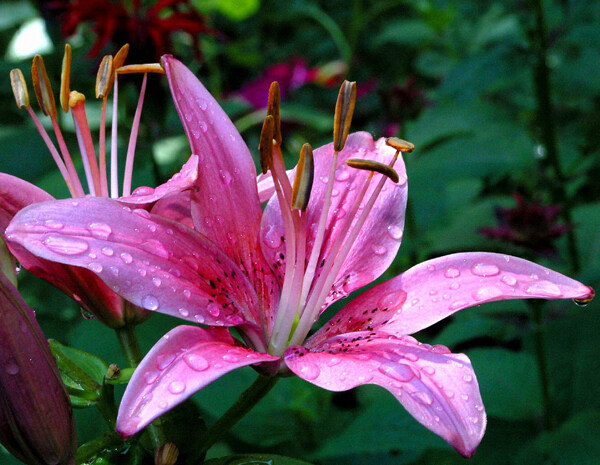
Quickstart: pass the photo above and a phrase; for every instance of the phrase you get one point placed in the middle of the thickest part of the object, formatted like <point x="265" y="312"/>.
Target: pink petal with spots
<point x="266" y="187"/>
<point x="225" y="205"/>
<point x="184" y="361"/>
<point x="79" y="284"/>
<point x="155" y="263"/>
<point x="181" y="181"/>
<point x="435" y="289"/>
<point x="435" y="386"/>
<point x="379" y="238"/>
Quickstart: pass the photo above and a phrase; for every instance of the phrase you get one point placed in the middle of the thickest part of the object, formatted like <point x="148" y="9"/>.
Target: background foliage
<point x="461" y="80"/>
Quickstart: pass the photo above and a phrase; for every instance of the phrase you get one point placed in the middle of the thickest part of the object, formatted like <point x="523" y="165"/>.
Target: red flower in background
<point x="147" y="28"/>
<point x="530" y="224"/>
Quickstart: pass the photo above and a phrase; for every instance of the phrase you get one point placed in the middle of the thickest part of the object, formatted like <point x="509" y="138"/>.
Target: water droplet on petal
<point x="225" y="177"/>
<point x="509" y="280"/>
<point x="458" y="304"/>
<point x="213" y="309"/>
<point x="452" y="273"/>
<point x="429" y="370"/>
<point x="176" y="387"/>
<point x="468" y="378"/>
<point x="196" y="362"/>
<point x="399" y="372"/>
<point x="487" y="293"/>
<point x="107" y="251"/>
<point x="186" y="293"/>
<point x="100" y="230"/>
<point x="95" y="267"/>
<point x="143" y="190"/>
<point x="151" y="376"/>
<point x="156" y="281"/>
<point x="150" y="302"/>
<point x="395" y="232"/>
<point x="65" y="245"/>
<point x="333" y="361"/>
<point x="485" y="269"/>
<point x="53" y="224"/>
<point x="127" y="258"/>
<point x="273" y="237"/>
<point x="392" y="301"/>
<point x="544" y="289"/>
<point x="378" y="249"/>
<point x="11" y="367"/>
<point x="164" y="360"/>
<point x="309" y="371"/>
<point x="411" y="356"/>
<point x="423" y="398"/>
<point x="231" y="358"/>
<point x="184" y="312"/>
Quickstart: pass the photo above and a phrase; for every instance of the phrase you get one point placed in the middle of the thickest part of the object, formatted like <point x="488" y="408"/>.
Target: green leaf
<point x="509" y="383"/>
<point x="236" y="10"/>
<point x="256" y="459"/>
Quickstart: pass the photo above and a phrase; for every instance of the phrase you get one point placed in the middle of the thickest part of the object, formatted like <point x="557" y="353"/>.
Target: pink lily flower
<point x="80" y="284"/>
<point x="271" y="274"/>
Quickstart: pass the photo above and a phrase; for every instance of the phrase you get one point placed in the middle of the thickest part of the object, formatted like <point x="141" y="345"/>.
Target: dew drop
<point x="378" y="249"/>
<point x="164" y="360"/>
<point x="485" y="269"/>
<point x="544" y="289"/>
<point x="395" y="232"/>
<point x="107" y="251"/>
<point x="176" y="387"/>
<point x="214" y="309"/>
<point x="143" y="190"/>
<point x="399" y="372"/>
<point x="114" y="270"/>
<point x="582" y="302"/>
<point x="11" y="367"/>
<point x="86" y="314"/>
<point x="53" y="224"/>
<point x="429" y="370"/>
<point x="95" y="267"/>
<point x="309" y="371"/>
<point x="187" y="293"/>
<point x="231" y="358"/>
<point x="468" y="378"/>
<point x="273" y="238"/>
<point x="423" y="398"/>
<point x="509" y="280"/>
<point x="225" y="177"/>
<point x="452" y="273"/>
<point x="458" y="304"/>
<point x="127" y="258"/>
<point x="487" y="293"/>
<point x="333" y="361"/>
<point x="448" y="393"/>
<point x="196" y="362"/>
<point x="156" y="281"/>
<point x="150" y="302"/>
<point x="411" y="356"/>
<point x="142" y="272"/>
<point x="392" y="301"/>
<point x="100" y="230"/>
<point x="65" y="245"/>
<point x="151" y="376"/>
<point x="184" y="312"/>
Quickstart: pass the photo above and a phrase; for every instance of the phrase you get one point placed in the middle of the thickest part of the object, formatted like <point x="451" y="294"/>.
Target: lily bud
<point x="36" y="420"/>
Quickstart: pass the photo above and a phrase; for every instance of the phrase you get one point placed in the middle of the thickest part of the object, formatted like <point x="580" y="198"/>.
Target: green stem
<point x="106" y="405"/>
<point x="537" y="308"/>
<point x="547" y="123"/>
<point x="131" y="350"/>
<point x="249" y="398"/>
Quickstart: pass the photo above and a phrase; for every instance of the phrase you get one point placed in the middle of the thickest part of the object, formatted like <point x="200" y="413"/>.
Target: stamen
<point x="65" y="79"/>
<point x="400" y="144"/>
<point x="117" y="62"/>
<point x="145" y="68"/>
<point x="86" y="144"/>
<point x="265" y="146"/>
<point x="344" y="109"/>
<point x="103" y="77"/>
<point x="19" y="88"/>
<point x="133" y="139"/>
<point x="371" y="165"/>
<point x="114" y="167"/>
<point x="305" y="172"/>
<point x="41" y="86"/>
<point x="105" y="72"/>
<point x="273" y="110"/>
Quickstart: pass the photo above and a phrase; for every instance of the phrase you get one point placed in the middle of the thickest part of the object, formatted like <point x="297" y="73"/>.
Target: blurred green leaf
<point x="256" y="459"/>
<point x="411" y="32"/>
<point x="15" y="13"/>
<point x="236" y="10"/>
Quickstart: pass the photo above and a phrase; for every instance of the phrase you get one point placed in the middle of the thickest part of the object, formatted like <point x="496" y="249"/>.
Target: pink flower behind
<point x="272" y="273"/>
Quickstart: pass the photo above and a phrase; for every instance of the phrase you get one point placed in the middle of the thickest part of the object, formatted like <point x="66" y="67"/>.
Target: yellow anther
<point x="75" y="98"/>
<point x="19" y="88"/>
<point x="145" y="68"/>
<point x="117" y="62"/>
<point x="371" y="165"/>
<point x="273" y="109"/>
<point x="344" y="109"/>
<point x="305" y="173"/>
<point x="399" y="144"/>
<point x="103" y="77"/>
<point x="41" y="86"/>
<point x="65" y="79"/>
<point x="265" y="146"/>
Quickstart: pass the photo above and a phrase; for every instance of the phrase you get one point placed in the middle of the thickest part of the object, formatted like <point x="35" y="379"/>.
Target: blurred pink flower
<point x="272" y="273"/>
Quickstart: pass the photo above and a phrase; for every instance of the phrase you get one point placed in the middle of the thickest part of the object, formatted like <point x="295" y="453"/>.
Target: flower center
<point x="308" y="280"/>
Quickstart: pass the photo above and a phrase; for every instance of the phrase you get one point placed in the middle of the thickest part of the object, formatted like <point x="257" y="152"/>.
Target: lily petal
<point x="184" y="361"/>
<point x="79" y="284"/>
<point x="379" y="238"/>
<point x="266" y="186"/>
<point x="435" y="289"/>
<point x="225" y="204"/>
<point x="176" y="207"/>
<point x="151" y="261"/>
<point x="180" y="181"/>
<point x="437" y="387"/>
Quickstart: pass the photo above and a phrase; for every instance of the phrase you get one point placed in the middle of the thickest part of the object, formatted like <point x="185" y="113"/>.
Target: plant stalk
<point x="537" y="321"/>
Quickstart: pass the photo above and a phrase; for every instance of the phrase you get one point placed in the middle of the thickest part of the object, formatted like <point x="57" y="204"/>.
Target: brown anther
<point x="144" y="68"/>
<point x="375" y="166"/>
<point x="19" y="88"/>
<point x="344" y="109"/>
<point x="41" y="86"/>
<point x="265" y="146"/>
<point x="273" y="109"/>
<point x="399" y="144"/>
<point x="112" y="372"/>
<point x="103" y="77"/>
<point x="65" y="79"/>
<point x="117" y="62"/>
<point x="166" y="454"/>
<point x="75" y="98"/>
<point x="305" y="173"/>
